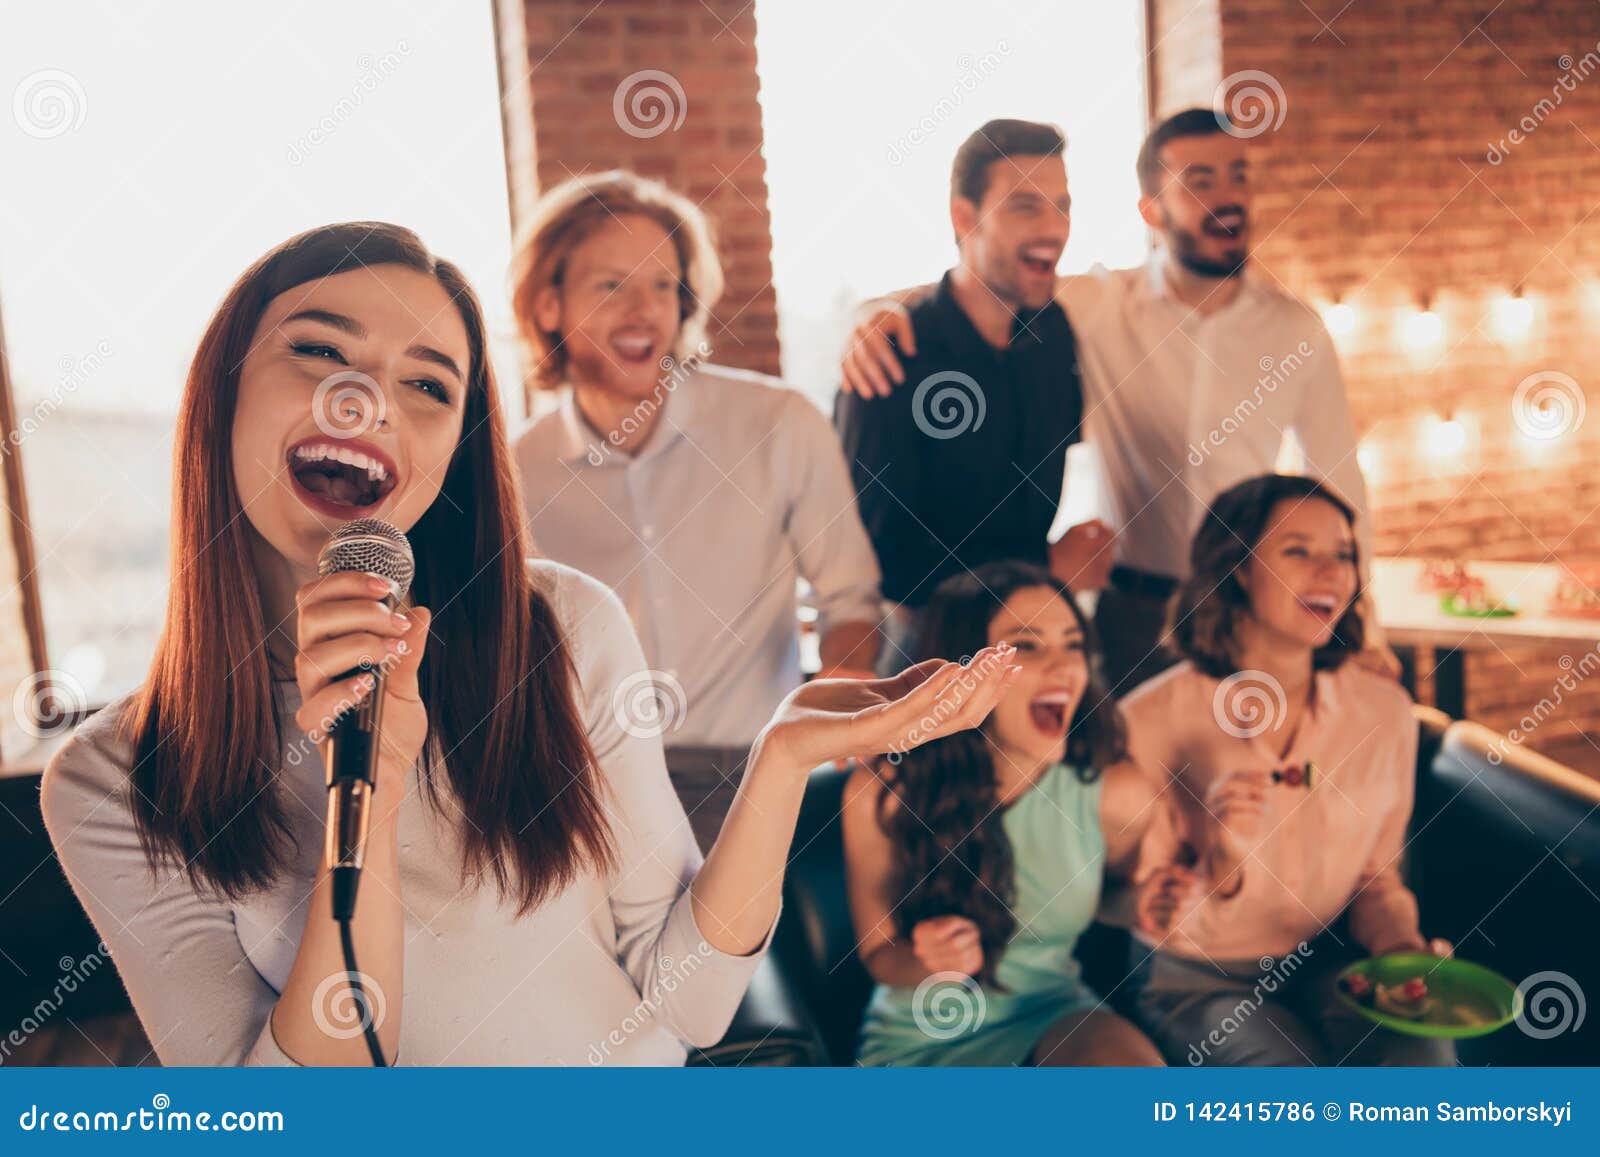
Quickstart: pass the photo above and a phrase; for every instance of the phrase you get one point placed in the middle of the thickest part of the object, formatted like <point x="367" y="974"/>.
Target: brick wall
<point x="565" y="66"/>
<point x="1394" y="181"/>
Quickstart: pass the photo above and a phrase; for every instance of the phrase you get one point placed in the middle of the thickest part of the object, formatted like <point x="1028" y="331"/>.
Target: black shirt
<point x="964" y="462"/>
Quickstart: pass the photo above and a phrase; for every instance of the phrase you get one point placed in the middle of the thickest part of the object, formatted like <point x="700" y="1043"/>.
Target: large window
<point x="145" y="167"/>
<point x="864" y="106"/>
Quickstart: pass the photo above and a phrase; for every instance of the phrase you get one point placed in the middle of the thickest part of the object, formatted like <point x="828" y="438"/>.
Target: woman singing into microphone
<point x="532" y="892"/>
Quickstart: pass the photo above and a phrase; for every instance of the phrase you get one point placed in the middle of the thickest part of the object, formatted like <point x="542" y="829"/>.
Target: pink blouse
<point x="1320" y="849"/>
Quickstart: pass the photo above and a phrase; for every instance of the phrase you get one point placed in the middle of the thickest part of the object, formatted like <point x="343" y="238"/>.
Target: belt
<point x="1145" y="584"/>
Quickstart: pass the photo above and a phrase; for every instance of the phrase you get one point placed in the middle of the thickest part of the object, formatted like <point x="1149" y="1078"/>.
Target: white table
<point x="1411" y="617"/>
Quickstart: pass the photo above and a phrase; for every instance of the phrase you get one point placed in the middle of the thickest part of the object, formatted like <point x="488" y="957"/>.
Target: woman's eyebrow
<point x="354" y="328"/>
<point x="443" y="360"/>
<point x="338" y="321"/>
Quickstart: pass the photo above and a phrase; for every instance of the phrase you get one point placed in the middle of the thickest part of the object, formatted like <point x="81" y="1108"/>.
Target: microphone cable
<point x="367" y="1011"/>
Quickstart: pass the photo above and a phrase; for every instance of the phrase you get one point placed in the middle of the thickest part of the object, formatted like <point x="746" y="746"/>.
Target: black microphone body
<point x="372" y="546"/>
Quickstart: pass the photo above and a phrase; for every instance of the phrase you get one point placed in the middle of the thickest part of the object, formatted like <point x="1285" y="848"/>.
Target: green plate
<point x="1464" y="999"/>
<point x="1450" y="605"/>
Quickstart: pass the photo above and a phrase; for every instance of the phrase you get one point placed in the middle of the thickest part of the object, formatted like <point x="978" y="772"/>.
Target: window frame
<point x="22" y="546"/>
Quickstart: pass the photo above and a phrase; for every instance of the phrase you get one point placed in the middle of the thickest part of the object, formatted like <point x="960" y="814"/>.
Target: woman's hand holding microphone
<point x="342" y="624"/>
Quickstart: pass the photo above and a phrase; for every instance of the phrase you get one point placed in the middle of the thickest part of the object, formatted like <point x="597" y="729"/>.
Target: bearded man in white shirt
<point x="1195" y="366"/>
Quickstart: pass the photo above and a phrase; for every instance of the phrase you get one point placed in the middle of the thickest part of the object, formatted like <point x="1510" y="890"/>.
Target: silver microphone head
<point x="373" y="546"/>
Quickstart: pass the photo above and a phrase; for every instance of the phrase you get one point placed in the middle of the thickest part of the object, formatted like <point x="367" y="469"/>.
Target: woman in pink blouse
<point x="1292" y="771"/>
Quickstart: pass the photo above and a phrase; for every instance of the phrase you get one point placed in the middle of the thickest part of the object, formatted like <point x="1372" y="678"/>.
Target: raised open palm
<point x="830" y="718"/>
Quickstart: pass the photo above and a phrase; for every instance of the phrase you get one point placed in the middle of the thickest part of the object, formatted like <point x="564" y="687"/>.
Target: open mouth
<point x="1049" y="712"/>
<point x="633" y="346"/>
<point x="1041" y="259"/>
<point x="344" y="479"/>
<point x="1226" y="225"/>
<point x="1324" y="608"/>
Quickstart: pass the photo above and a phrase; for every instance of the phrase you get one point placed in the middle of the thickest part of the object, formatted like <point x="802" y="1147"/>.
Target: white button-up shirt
<point x="1180" y="406"/>
<point x="740" y="490"/>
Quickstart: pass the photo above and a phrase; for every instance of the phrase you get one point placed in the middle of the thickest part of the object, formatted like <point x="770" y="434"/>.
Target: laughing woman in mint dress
<point x="976" y="862"/>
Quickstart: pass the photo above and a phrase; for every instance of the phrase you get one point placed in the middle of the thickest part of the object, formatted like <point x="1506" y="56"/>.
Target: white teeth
<point x="316" y="452"/>
<point x="1053" y="697"/>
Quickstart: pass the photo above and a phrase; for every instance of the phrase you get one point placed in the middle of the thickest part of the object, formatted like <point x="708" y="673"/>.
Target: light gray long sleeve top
<point x="612" y="970"/>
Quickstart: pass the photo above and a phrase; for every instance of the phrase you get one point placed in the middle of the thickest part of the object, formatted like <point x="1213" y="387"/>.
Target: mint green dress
<point x="1059" y="855"/>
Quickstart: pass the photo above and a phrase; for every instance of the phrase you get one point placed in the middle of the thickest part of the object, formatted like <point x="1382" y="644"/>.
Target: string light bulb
<point x="1423" y="328"/>
<point x="1512" y="315"/>
<point x="1339" y="317"/>
<point x="1445" y="436"/>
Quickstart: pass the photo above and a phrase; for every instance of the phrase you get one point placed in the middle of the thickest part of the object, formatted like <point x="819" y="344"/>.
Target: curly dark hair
<point x="1205" y="610"/>
<point x="951" y="852"/>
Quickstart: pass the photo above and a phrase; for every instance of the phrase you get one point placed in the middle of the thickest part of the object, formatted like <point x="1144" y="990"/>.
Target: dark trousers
<point x="1130" y="620"/>
<point x="706" y="780"/>
<point x="1272" y="1011"/>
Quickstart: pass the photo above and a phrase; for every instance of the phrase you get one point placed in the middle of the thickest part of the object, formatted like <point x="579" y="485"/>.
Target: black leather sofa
<point x="1504" y="855"/>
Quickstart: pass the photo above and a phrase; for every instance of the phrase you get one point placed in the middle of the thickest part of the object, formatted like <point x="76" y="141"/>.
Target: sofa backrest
<point x="1505" y="861"/>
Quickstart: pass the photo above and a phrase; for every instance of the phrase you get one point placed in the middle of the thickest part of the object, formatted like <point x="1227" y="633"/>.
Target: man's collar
<point x="1154" y="286"/>
<point x="957" y="329"/>
<point x="580" y="440"/>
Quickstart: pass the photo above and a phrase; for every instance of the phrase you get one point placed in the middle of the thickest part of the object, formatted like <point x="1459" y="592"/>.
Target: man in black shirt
<point x="964" y="465"/>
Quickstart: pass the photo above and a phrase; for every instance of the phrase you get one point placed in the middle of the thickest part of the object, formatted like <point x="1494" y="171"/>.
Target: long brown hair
<point x="1208" y="607"/>
<point x="951" y="852"/>
<point x="497" y="677"/>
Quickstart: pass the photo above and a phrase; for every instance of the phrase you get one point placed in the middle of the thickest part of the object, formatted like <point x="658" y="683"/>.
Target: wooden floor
<point x="98" y="1042"/>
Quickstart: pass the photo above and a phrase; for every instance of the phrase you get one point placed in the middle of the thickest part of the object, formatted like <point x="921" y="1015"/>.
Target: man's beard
<point x="1185" y="247"/>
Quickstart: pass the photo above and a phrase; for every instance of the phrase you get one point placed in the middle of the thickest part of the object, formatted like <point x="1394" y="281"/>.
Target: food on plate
<point x="1357" y="985"/>
<point x="1443" y="575"/>
<point x="1577" y="593"/>
<point x="1408" y="999"/>
<point x="1474" y="597"/>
